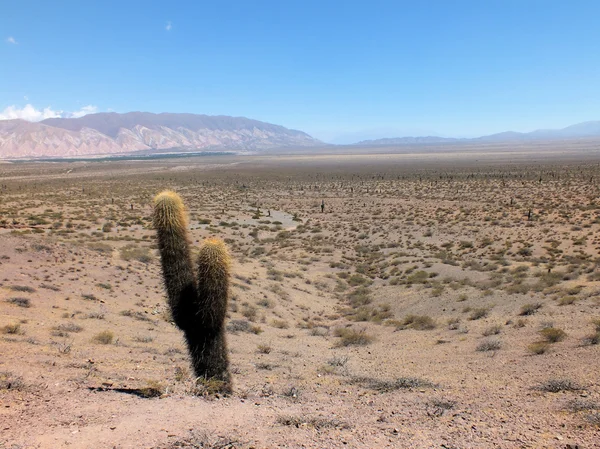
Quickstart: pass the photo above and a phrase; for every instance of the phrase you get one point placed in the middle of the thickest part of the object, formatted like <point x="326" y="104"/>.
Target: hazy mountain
<point x="112" y="133"/>
<point x="577" y="131"/>
<point x="407" y="140"/>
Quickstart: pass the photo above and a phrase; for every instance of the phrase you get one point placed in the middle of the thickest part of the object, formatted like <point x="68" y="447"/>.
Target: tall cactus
<point x="198" y="302"/>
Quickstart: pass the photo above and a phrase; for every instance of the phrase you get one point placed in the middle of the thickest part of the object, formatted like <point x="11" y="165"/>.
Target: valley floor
<point x="439" y="301"/>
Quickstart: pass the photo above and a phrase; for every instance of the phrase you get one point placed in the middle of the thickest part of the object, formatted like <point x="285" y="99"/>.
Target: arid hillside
<point x="133" y="132"/>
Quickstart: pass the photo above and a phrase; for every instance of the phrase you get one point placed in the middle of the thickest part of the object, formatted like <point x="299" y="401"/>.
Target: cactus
<point x="198" y="302"/>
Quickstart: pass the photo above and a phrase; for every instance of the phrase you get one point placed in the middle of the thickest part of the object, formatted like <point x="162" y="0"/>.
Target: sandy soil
<point x="420" y="310"/>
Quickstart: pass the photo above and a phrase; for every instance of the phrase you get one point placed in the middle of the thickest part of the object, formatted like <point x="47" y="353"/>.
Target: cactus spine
<point x="198" y="301"/>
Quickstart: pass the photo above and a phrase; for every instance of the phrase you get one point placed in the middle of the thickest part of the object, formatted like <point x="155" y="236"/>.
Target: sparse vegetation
<point x="408" y="272"/>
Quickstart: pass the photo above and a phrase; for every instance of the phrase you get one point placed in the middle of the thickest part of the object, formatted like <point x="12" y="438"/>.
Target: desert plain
<point x="440" y="300"/>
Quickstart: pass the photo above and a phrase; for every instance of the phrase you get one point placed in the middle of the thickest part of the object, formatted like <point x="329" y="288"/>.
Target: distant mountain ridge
<point x="110" y="133"/>
<point x="406" y="140"/>
<point x="578" y="131"/>
<point x="113" y="133"/>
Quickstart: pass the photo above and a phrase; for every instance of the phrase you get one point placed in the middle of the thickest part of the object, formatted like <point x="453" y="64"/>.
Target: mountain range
<point x="577" y="131"/>
<point x="146" y="133"/>
<point x="135" y="132"/>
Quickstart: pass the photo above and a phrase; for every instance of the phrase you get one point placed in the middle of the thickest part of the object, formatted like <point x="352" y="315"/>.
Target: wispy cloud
<point x="11" y="40"/>
<point x="89" y="109"/>
<point x="32" y="114"/>
<point x="169" y="26"/>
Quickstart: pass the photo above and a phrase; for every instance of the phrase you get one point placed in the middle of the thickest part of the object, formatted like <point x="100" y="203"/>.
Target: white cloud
<point x="31" y="114"/>
<point x="169" y="26"/>
<point x="89" y="109"/>
<point x="11" y="40"/>
<point x="28" y="113"/>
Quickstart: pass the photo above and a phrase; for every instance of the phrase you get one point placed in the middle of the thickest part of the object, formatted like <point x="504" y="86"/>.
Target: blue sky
<point x="339" y="70"/>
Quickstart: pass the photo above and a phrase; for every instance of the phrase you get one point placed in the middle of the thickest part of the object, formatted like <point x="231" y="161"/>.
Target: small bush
<point x="492" y="330"/>
<point x="8" y="381"/>
<point x="592" y="339"/>
<point x="339" y="361"/>
<point x="557" y="385"/>
<point x="13" y="328"/>
<point x="265" y="302"/>
<point x="567" y="300"/>
<point x="54" y="288"/>
<point x="521" y="322"/>
<point x="385" y="386"/>
<point x="316" y="423"/>
<point x="530" y="309"/>
<point x="103" y="248"/>
<point x="420" y="277"/>
<point x="69" y="327"/>
<point x="235" y="326"/>
<point x="580" y="405"/>
<point x="265" y="366"/>
<point x="553" y="334"/>
<point x="18" y="301"/>
<point x="104" y="337"/>
<point x="539" y="347"/>
<point x="477" y="314"/>
<point x="360" y="297"/>
<point x="207" y="387"/>
<point x="418" y="322"/>
<point x="137" y="315"/>
<point x="264" y="349"/>
<point x="249" y="312"/>
<point x="134" y="252"/>
<point x="144" y="339"/>
<point x="489" y="345"/>
<point x="350" y="336"/>
<point x="593" y="419"/>
<point x="22" y="288"/>
<point x="280" y="324"/>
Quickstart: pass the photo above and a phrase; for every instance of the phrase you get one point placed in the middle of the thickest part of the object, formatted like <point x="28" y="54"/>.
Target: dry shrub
<point x="352" y="337"/>
<point x="104" y="337"/>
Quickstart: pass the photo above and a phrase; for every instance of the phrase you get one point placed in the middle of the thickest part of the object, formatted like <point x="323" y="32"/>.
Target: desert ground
<point x="441" y="300"/>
